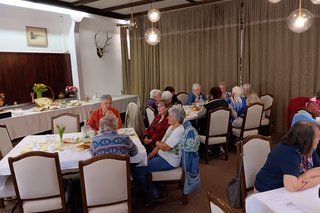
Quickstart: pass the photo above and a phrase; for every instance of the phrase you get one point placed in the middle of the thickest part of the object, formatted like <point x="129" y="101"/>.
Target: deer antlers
<point x="102" y="50"/>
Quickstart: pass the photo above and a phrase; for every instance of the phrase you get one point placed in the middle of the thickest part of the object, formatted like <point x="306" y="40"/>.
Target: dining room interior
<point x="81" y="50"/>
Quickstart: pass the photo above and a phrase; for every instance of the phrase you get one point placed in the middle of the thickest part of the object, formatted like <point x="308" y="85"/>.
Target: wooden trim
<point x="244" y="188"/>
<point x="55" y="156"/>
<point x="93" y="160"/>
<point x="218" y="202"/>
<point x="133" y="4"/>
<point x="182" y="93"/>
<point x="65" y="114"/>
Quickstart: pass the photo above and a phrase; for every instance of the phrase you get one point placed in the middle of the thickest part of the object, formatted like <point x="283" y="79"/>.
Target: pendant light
<point x="152" y="36"/>
<point x="300" y="20"/>
<point x="132" y="24"/>
<point x="274" y="1"/>
<point x="153" y="14"/>
<point x="315" y="1"/>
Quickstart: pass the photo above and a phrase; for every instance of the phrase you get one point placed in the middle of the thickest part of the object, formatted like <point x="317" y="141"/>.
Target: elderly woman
<point x="166" y="155"/>
<point x="105" y="108"/>
<point x="167" y="97"/>
<point x="224" y="89"/>
<point x="174" y="99"/>
<point x="155" y="96"/>
<point x="293" y="163"/>
<point x="157" y="128"/>
<point x="195" y="95"/>
<point x="109" y="141"/>
<point x="314" y="105"/>
<point x="251" y="96"/>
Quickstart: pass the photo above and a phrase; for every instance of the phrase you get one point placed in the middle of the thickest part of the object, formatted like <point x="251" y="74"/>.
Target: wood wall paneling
<point x="19" y="71"/>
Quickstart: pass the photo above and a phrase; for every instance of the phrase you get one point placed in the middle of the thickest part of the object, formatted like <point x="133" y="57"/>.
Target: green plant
<point x="39" y="87"/>
<point x="61" y="129"/>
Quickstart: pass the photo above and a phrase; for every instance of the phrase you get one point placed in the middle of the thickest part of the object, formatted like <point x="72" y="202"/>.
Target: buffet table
<point x="27" y="122"/>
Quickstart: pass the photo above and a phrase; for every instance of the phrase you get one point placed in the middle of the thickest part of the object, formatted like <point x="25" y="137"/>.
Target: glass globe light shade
<point x="300" y="21"/>
<point x="153" y="15"/>
<point x="132" y="24"/>
<point x="152" y="36"/>
<point x="274" y="1"/>
<point x="315" y="1"/>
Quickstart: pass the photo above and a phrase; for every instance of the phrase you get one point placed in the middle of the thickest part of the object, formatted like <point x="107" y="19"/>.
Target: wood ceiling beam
<point x="133" y="4"/>
<point x="82" y="2"/>
<point x="80" y="8"/>
<point x="196" y="3"/>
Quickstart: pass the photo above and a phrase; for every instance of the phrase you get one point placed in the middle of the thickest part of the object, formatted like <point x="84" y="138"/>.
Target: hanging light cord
<point x="300" y="8"/>
<point x="131" y="10"/>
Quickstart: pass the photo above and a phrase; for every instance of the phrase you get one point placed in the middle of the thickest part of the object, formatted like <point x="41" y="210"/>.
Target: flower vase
<point x="39" y="94"/>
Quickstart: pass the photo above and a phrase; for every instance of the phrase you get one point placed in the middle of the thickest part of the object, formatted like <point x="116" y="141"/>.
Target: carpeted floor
<point x="214" y="177"/>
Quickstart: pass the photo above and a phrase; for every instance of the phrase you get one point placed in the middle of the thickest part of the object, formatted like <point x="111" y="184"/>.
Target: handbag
<point x="233" y="187"/>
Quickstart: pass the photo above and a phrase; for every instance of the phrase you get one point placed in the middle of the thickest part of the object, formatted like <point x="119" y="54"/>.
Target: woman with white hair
<point x="109" y="141"/>
<point x="251" y="96"/>
<point x="167" y="97"/>
<point x="237" y="101"/>
<point x="167" y="154"/>
<point x="155" y="96"/>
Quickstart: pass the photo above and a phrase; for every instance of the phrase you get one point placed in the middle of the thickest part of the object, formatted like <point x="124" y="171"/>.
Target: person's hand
<point x="309" y="183"/>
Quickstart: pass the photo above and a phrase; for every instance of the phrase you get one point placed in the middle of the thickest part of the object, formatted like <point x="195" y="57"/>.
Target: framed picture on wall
<point x="36" y="36"/>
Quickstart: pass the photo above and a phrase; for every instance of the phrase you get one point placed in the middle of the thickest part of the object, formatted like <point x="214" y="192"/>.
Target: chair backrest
<point x="293" y="106"/>
<point x="252" y="117"/>
<point x="71" y="121"/>
<point x="267" y="101"/>
<point x="217" y="205"/>
<point x="183" y="97"/>
<point x="150" y="114"/>
<point x="255" y="152"/>
<point x="37" y="176"/>
<point x="218" y="121"/>
<point x="105" y="180"/>
<point x="5" y="141"/>
<point x="305" y="110"/>
<point x="134" y="118"/>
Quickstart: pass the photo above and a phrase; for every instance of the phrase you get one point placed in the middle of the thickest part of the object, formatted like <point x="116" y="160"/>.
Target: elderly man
<point x="195" y="95"/>
<point x="110" y="142"/>
<point x="105" y="108"/>
<point x="155" y="96"/>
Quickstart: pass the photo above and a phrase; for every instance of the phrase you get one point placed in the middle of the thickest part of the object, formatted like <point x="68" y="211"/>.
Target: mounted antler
<point x="102" y="50"/>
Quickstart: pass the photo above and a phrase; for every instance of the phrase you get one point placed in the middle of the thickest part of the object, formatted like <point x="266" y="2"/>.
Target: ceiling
<point x="121" y="9"/>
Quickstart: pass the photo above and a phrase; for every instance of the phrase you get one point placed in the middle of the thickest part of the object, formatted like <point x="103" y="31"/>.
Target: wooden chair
<point x="105" y="183"/>
<point x="268" y="102"/>
<point x="38" y="183"/>
<point x="171" y="176"/>
<point x="218" y="122"/>
<point x="251" y="121"/>
<point x="150" y="114"/>
<point x="217" y="205"/>
<point x="255" y="152"/>
<point x="183" y="97"/>
<point x="71" y="121"/>
<point x="6" y="189"/>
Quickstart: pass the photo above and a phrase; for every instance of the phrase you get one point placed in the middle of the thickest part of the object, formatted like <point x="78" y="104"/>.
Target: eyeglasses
<point x="160" y="106"/>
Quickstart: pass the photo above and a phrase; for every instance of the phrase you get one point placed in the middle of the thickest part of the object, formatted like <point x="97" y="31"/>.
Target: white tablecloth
<point x="190" y="115"/>
<point x="30" y="122"/>
<point x="70" y="157"/>
<point x="281" y="200"/>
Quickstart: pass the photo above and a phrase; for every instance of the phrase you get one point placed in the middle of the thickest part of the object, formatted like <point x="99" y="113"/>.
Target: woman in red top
<point x="157" y="128"/>
<point x="105" y="108"/>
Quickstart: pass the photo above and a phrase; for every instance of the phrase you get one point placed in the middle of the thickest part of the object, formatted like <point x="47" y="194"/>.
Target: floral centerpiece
<point x="39" y="89"/>
<point x="71" y="91"/>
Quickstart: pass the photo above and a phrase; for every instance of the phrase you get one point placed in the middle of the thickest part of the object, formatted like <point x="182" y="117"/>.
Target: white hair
<point x="166" y="95"/>
<point x="178" y="112"/>
<point x="236" y="95"/>
<point x="155" y="92"/>
<point x="106" y="96"/>
<point x="195" y="85"/>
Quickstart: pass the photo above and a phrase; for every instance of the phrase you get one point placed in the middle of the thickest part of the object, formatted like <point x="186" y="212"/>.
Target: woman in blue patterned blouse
<point x="109" y="141"/>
